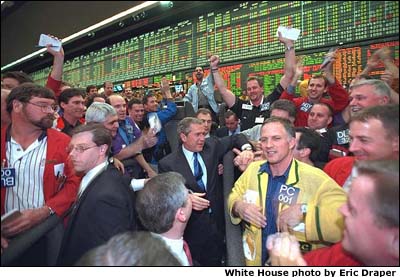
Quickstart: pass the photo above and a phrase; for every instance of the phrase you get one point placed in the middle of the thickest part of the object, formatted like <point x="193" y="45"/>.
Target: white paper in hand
<point x="45" y="39"/>
<point x="155" y="122"/>
<point x="290" y="33"/>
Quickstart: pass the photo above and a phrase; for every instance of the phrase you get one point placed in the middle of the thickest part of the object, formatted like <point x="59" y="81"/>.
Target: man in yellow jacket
<point x="283" y="194"/>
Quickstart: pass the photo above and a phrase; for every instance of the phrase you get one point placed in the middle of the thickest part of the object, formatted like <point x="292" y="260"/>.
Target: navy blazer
<point x="222" y="132"/>
<point x="205" y="230"/>
<point x="105" y="208"/>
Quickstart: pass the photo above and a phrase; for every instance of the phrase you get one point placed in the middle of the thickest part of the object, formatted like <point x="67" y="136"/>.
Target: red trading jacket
<point x="339" y="100"/>
<point x="330" y="256"/>
<point x="54" y="85"/>
<point x="58" y="198"/>
<point x="339" y="169"/>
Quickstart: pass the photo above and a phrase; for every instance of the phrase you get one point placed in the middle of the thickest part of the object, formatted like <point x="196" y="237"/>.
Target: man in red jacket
<point x="41" y="181"/>
<point x="317" y="86"/>
<point x="371" y="235"/>
<point x="374" y="135"/>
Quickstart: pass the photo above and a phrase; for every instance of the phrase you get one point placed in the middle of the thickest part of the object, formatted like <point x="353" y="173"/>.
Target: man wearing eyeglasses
<point x="105" y="202"/>
<point x="38" y="180"/>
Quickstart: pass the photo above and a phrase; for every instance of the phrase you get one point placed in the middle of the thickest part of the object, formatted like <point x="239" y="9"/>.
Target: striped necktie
<point x="198" y="172"/>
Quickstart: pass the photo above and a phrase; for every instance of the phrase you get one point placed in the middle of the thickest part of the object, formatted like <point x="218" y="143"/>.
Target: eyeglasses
<point x="79" y="148"/>
<point x="45" y="107"/>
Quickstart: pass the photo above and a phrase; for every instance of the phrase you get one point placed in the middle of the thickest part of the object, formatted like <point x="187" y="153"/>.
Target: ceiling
<point x="22" y="22"/>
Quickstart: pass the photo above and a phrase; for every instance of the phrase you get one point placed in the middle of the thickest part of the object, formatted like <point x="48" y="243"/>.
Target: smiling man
<point x="283" y="194"/>
<point x="72" y="107"/>
<point x="197" y="159"/>
<point x="374" y="135"/>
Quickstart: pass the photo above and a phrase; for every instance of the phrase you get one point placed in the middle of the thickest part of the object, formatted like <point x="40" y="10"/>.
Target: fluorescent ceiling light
<point x="92" y="28"/>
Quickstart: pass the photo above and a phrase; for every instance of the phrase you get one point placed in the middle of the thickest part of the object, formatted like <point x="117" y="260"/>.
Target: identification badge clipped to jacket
<point x="288" y="195"/>
<point x="7" y="177"/>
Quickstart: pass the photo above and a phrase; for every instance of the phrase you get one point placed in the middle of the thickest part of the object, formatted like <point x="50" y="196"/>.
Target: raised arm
<point x="227" y="95"/>
<point x="298" y="73"/>
<point x="290" y="61"/>
<point x="54" y="80"/>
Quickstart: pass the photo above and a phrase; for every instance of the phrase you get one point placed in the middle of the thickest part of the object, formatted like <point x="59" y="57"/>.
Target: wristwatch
<point x="246" y="146"/>
<point x="51" y="211"/>
<point x="303" y="208"/>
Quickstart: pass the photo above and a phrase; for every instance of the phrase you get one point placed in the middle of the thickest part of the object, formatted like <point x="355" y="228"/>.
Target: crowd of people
<point x="316" y="181"/>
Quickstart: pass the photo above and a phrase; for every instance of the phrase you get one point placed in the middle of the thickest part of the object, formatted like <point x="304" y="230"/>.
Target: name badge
<point x="343" y="137"/>
<point x="305" y="107"/>
<point x="288" y="194"/>
<point x="129" y="129"/>
<point x="7" y="177"/>
<point x="247" y="107"/>
<point x="259" y="120"/>
<point x="265" y="107"/>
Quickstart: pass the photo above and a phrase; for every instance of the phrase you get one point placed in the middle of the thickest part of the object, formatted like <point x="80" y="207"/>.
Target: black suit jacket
<point x="105" y="208"/>
<point x="222" y="132"/>
<point x="205" y="230"/>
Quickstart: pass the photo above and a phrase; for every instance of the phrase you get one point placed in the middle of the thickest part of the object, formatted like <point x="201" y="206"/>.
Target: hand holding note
<point x="288" y="32"/>
<point x="45" y="39"/>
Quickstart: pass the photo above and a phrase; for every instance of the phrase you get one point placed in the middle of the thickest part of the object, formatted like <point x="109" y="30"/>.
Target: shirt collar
<point x="265" y="168"/>
<point x="236" y="131"/>
<point x="90" y="175"/>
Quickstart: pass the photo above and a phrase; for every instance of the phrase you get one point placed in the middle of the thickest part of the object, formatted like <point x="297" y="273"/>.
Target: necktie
<point x="198" y="172"/>
<point x="187" y="252"/>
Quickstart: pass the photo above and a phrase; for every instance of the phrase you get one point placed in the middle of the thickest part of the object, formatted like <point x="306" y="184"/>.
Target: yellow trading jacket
<point x="323" y="196"/>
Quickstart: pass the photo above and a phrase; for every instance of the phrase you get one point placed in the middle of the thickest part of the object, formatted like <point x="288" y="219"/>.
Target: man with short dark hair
<point x="12" y="79"/>
<point x="136" y="112"/>
<point x="105" y="205"/>
<point x="108" y="88"/>
<point x="72" y="108"/>
<point x="156" y="118"/>
<point x="201" y="94"/>
<point x="374" y="134"/>
<point x="206" y="117"/>
<point x="90" y="90"/>
<point x="231" y="125"/>
<point x="257" y="108"/>
<point x="308" y="144"/>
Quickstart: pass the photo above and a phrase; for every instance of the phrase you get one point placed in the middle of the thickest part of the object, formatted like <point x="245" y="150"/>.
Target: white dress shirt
<point x="176" y="248"/>
<point x="90" y="175"/>
<point x="189" y="157"/>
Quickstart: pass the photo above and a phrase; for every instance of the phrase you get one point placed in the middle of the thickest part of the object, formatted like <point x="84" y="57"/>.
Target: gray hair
<point x="160" y="199"/>
<point x="184" y="126"/>
<point x="130" y="249"/>
<point x="98" y="112"/>
<point x="290" y="130"/>
<point x="380" y="88"/>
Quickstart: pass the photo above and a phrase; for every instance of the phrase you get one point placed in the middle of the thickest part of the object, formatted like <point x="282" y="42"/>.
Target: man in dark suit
<point x="105" y="202"/>
<point x="197" y="160"/>
<point x="231" y="127"/>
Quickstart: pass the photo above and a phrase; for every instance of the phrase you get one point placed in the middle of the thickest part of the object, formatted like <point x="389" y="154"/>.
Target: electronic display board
<point x="245" y="38"/>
